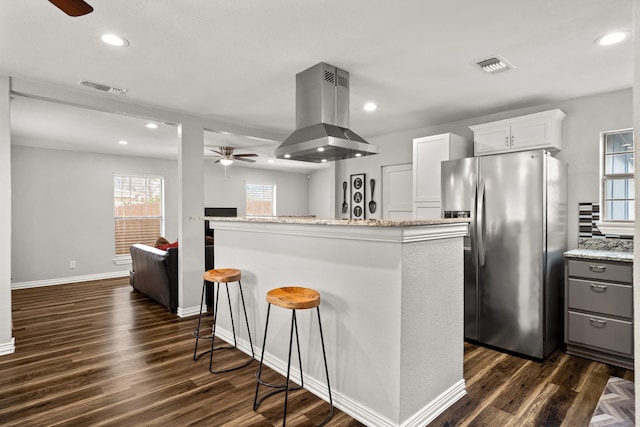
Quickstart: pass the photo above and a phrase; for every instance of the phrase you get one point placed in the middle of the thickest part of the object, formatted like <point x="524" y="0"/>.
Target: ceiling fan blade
<point x="245" y="155"/>
<point x="73" y="7"/>
<point x="242" y="159"/>
<point x="217" y="152"/>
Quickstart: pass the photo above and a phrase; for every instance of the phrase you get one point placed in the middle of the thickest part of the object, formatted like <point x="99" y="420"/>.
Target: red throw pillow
<point x="168" y="246"/>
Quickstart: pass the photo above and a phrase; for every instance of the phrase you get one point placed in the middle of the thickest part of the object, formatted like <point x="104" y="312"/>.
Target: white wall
<point x="62" y="206"/>
<point x="292" y="189"/>
<point x="586" y="118"/>
<point x="63" y="210"/>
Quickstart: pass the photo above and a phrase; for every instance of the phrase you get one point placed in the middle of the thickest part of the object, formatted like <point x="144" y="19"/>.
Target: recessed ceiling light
<point x="370" y="106"/>
<point x="123" y="142"/>
<point x="612" y="38"/>
<point x="358" y="154"/>
<point x="115" y="40"/>
<point x="151" y="126"/>
<point x="324" y="160"/>
<point x="321" y="149"/>
<point x="287" y="156"/>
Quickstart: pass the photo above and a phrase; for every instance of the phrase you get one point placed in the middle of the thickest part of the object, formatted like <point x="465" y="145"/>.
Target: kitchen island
<point x="392" y="308"/>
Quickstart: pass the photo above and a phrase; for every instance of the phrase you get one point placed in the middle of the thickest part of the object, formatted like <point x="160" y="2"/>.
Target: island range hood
<point x="322" y="119"/>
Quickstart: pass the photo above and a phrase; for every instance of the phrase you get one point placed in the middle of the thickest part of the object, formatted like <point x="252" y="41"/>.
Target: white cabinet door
<point x="492" y="139"/>
<point x="539" y="130"/>
<point x="530" y="133"/>
<point x="396" y="192"/>
<point x="428" y="152"/>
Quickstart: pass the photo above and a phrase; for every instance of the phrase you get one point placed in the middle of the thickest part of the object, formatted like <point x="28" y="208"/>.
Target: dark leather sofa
<point x="154" y="272"/>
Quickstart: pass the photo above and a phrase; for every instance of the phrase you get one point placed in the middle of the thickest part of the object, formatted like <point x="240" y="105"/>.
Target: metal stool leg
<point x="196" y="333"/>
<point x="294" y="325"/>
<point x="326" y="370"/>
<point x="233" y="328"/>
<point x="259" y="371"/>
<point x="246" y="319"/>
<point x="279" y="387"/>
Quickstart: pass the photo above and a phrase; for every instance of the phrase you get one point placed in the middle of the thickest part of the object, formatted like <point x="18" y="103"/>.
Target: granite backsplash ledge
<point x="608" y="244"/>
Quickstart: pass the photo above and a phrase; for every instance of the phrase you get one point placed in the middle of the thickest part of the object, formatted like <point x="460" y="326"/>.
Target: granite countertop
<point x="600" y="254"/>
<point x="316" y="221"/>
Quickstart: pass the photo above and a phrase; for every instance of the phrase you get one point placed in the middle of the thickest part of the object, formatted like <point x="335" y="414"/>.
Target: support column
<point x="190" y="232"/>
<point x="636" y="236"/>
<point x="7" y="342"/>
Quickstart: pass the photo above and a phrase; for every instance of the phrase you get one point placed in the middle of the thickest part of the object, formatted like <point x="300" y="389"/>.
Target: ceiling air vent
<point x="103" y="88"/>
<point x="495" y="64"/>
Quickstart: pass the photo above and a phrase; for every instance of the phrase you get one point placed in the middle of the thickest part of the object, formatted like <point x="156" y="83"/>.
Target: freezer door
<point x="458" y="190"/>
<point x="510" y="239"/>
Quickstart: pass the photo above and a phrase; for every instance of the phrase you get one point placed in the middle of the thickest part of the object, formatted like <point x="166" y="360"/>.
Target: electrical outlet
<point x="72" y="264"/>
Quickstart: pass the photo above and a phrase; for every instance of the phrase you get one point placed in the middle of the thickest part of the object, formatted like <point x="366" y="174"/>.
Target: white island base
<point x="392" y="308"/>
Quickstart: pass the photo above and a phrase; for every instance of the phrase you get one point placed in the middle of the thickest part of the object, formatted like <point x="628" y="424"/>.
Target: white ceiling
<point x="236" y="61"/>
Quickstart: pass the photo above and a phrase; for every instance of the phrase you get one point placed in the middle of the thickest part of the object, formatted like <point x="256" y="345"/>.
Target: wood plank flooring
<point x="509" y="391"/>
<point x="100" y="354"/>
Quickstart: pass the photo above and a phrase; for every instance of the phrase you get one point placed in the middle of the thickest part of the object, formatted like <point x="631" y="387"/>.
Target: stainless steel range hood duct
<point x="322" y="119"/>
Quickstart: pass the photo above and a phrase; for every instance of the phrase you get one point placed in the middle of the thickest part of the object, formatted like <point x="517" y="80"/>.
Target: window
<point x="261" y="199"/>
<point x="617" y="192"/>
<point x="138" y="211"/>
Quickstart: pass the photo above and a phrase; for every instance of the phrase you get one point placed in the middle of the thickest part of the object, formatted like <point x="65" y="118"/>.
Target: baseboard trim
<point x="352" y="408"/>
<point x="437" y="406"/>
<point x="8" y="348"/>
<point x="188" y="312"/>
<point x="64" y="280"/>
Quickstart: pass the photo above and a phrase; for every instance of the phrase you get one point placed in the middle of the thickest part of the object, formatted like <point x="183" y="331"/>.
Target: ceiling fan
<point x="73" y="7"/>
<point x="227" y="157"/>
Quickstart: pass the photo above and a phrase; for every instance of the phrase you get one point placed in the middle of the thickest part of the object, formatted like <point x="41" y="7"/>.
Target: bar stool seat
<point x="222" y="275"/>
<point x="292" y="298"/>
<point x="217" y="276"/>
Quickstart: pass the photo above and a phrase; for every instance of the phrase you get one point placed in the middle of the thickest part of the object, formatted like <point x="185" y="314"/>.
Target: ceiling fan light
<point x="226" y="162"/>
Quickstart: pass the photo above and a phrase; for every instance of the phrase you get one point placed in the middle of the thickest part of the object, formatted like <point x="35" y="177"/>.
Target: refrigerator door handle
<point x="480" y="224"/>
<point x="473" y="225"/>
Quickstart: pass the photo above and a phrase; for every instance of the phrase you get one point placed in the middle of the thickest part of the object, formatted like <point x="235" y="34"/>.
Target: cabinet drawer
<point x="594" y="269"/>
<point x="601" y="332"/>
<point x="601" y="297"/>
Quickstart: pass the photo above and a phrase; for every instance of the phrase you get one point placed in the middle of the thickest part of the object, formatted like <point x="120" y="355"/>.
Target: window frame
<point x="273" y="199"/>
<point x="126" y="258"/>
<point x="607" y="226"/>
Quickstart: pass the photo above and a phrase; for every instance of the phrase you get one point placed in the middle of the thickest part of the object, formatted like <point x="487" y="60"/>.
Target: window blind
<point x="260" y="199"/>
<point x="138" y="210"/>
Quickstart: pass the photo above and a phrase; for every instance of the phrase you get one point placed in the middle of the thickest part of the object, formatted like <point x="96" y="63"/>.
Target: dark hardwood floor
<point x="99" y="353"/>
<point x="509" y="391"/>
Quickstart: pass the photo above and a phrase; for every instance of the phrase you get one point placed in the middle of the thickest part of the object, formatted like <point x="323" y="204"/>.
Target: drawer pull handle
<point x="598" y="323"/>
<point x="598" y="288"/>
<point x="597" y="268"/>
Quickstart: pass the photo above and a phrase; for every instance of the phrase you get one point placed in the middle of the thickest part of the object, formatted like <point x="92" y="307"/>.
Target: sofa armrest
<point x="151" y="275"/>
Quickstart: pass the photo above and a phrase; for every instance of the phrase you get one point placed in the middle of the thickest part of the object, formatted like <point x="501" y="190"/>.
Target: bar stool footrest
<point x="279" y="388"/>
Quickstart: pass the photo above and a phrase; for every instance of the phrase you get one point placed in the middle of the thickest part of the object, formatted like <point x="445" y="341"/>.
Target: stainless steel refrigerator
<point x="513" y="256"/>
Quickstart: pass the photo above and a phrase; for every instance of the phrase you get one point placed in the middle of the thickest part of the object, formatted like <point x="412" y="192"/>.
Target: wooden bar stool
<point x="292" y="298"/>
<point x="217" y="276"/>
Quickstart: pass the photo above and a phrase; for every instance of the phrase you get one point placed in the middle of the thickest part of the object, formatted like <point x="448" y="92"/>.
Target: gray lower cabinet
<point x="599" y="310"/>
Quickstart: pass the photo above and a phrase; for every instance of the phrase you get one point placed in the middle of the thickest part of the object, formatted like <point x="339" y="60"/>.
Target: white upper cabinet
<point x="428" y="153"/>
<point x="539" y="130"/>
